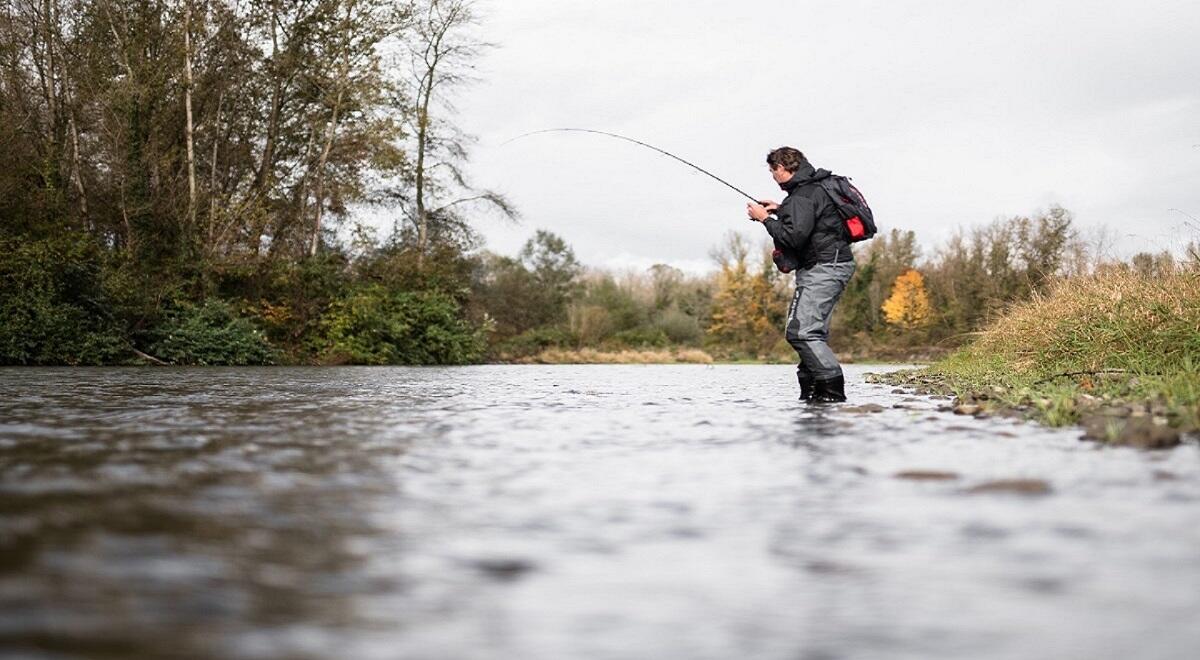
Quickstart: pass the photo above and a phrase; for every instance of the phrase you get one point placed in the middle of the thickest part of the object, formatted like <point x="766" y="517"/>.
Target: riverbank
<point x="1117" y="353"/>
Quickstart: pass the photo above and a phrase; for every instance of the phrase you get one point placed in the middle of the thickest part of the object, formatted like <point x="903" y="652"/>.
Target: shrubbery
<point x="53" y="305"/>
<point x="532" y="342"/>
<point x="378" y="325"/>
<point x="209" y="333"/>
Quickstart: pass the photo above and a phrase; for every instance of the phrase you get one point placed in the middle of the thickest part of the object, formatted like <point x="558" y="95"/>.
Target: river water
<point x="570" y="512"/>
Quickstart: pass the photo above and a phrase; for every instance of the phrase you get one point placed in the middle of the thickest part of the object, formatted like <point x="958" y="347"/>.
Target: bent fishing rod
<point x="648" y="146"/>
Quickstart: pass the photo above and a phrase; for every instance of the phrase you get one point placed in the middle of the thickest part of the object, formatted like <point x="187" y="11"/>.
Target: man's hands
<point x="759" y="212"/>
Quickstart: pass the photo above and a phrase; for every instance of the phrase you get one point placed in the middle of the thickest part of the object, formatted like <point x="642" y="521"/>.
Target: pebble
<point x="1134" y="431"/>
<point x="926" y="475"/>
<point x="865" y="408"/>
<point x="504" y="568"/>
<point x="1016" y="486"/>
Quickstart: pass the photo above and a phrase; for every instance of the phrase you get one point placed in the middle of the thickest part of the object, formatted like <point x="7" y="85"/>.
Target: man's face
<point x="780" y="174"/>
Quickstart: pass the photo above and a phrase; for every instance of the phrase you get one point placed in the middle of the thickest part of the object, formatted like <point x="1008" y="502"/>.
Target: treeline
<point x="901" y="303"/>
<point x="178" y="177"/>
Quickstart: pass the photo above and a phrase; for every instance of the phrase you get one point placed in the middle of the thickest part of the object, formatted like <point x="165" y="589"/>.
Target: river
<point x="571" y="512"/>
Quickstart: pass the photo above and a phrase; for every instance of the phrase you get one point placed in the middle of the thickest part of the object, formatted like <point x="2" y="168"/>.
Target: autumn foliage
<point x="908" y="306"/>
<point x="747" y="307"/>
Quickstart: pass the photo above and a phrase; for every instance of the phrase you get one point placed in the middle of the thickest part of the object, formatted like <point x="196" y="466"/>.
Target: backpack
<point x="858" y="223"/>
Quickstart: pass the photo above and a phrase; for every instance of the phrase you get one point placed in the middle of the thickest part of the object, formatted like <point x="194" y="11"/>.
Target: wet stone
<point x="504" y="568"/>
<point x="1140" y="432"/>
<point x="966" y="409"/>
<point x="1014" y="486"/>
<point x="826" y="567"/>
<point x="864" y="408"/>
<point x="927" y="475"/>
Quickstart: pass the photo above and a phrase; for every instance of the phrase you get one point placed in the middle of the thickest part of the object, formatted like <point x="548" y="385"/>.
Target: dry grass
<point x="1114" y="320"/>
<point x="592" y="356"/>
<point x="1116" y="335"/>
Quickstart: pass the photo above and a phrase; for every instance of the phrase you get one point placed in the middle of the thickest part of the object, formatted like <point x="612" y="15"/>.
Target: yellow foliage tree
<point x="908" y="306"/>
<point x="742" y="304"/>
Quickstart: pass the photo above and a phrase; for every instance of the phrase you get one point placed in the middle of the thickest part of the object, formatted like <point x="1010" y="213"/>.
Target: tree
<point x="908" y="306"/>
<point x="532" y="290"/>
<point x="443" y="53"/>
<point x="554" y="268"/>
<point x="743" y="303"/>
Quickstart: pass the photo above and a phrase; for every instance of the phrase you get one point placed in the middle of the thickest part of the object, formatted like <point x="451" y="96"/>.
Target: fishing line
<point x="648" y="146"/>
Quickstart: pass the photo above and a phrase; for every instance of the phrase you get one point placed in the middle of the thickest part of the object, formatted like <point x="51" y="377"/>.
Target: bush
<point x="291" y="298"/>
<point x="53" y="309"/>
<point x="679" y="327"/>
<point x="532" y="342"/>
<point x="641" y="337"/>
<point x="376" y="325"/>
<point x="210" y="333"/>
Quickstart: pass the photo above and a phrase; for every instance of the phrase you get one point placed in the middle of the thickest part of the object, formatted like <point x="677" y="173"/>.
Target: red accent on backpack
<point x="856" y="228"/>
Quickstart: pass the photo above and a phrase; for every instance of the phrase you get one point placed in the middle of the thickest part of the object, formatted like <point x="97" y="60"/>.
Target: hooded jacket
<point x="806" y="225"/>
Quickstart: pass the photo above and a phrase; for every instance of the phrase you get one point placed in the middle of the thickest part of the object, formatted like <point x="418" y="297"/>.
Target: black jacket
<point x="806" y="225"/>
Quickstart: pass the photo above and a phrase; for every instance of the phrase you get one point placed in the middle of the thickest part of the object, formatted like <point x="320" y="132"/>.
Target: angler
<point x="810" y="233"/>
<point x="812" y="229"/>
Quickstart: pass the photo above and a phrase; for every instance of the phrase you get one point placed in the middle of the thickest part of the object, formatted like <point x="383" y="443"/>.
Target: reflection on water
<point x="569" y="512"/>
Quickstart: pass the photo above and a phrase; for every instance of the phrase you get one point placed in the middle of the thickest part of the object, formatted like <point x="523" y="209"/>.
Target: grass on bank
<point x="1117" y="337"/>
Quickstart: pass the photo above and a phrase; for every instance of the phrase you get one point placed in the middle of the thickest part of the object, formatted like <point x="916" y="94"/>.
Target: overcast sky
<point x="947" y="114"/>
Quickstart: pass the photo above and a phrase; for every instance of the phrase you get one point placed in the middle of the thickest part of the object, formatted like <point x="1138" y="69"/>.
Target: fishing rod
<point x="648" y="146"/>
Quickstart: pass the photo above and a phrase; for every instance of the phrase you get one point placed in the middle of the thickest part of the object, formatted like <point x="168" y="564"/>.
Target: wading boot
<point x="829" y="391"/>
<point x="806" y="386"/>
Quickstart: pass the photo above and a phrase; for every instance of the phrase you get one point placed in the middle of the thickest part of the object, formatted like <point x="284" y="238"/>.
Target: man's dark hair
<point x="786" y="157"/>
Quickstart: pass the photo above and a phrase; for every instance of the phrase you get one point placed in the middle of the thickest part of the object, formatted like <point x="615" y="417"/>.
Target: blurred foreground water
<point x="571" y="512"/>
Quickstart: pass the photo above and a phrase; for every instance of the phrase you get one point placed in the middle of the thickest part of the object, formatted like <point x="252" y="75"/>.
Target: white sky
<point x="946" y="114"/>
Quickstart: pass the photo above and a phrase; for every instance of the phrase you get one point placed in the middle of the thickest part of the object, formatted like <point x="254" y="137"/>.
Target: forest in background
<point x="182" y="180"/>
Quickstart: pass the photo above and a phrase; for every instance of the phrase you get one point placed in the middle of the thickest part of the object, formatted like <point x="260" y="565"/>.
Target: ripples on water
<point x="569" y="512"/>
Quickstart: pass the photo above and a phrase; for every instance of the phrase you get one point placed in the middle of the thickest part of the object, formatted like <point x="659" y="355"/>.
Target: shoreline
<point x="1116" y="352"/>
<point x="1145" y="423"/>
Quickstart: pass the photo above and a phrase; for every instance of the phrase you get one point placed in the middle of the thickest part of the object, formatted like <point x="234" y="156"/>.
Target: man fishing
<point x="808" y="232"/>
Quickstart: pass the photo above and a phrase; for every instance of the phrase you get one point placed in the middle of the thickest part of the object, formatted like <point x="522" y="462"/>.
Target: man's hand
<point x="759" y="212"/>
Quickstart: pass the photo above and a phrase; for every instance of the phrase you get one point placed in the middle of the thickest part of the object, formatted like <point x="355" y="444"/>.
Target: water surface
<point x="555" y="512"/>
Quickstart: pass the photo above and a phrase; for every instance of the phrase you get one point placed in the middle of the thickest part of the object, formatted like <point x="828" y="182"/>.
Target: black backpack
<point x="858" y="223"/>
